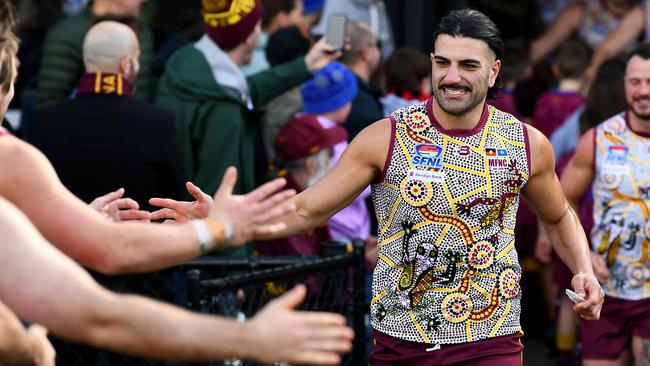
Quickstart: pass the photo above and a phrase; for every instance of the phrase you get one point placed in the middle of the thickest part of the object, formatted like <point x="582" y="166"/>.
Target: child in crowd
<point x="556" y="105"/>
<point x="408" y="77"/>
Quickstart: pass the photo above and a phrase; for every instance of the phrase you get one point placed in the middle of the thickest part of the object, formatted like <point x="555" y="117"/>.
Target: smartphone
<point x="573" y="296"/>
<point x="337" y="25"/>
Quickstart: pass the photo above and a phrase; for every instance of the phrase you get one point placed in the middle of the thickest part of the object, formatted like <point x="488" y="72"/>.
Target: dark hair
<point x="285" y="45"/>
<point x="642" y="51"/>
<point x="573" y="57"/>
<point x="606" y="95"/>
<point x="405" y="69"/>
<point x="516" y="56"/>
<point x="273" y="7"/>
<point x="471" y="23"/>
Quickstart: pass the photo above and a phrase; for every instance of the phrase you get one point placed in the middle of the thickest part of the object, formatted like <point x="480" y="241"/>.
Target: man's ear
<point x="124" y="65"/>
<point x="364" y="53"/>
<point x="494" y="72"/>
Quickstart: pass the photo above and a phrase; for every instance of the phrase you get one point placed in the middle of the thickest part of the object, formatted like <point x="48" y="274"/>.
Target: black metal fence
<point x="239" y="287"/>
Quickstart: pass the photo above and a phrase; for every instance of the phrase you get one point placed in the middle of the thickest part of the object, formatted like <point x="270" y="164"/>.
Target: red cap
<point x="304" y="136"/>
<point x="229" y="22"/>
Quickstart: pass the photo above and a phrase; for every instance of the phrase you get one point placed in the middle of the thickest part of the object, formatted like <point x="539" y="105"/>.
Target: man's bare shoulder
<point x="15" y="152"/>
<point x="19" y="162"/>
<point x="540" y="150"/>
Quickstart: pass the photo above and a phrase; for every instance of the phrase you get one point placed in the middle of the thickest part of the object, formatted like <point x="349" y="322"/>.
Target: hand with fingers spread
<point x="181" y="211"/>
<point x="116" y="208"/>
<point x="279" y="333"/>
<point x="245" y="217"/>
<point x="586" y="286"/>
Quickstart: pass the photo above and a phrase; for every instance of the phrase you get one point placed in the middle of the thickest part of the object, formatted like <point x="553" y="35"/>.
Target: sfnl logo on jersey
<point x="427" y="156"/>
<point x="617" y="154"/>
<point x="497" y="158"/>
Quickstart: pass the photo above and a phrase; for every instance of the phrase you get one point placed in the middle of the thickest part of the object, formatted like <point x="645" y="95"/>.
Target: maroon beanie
<point x="229" y="22"/>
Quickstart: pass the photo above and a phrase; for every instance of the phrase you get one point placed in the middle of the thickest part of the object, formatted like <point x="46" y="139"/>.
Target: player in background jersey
<point x="613" y="157"/>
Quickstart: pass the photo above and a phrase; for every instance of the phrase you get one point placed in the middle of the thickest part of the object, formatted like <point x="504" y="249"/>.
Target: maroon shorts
<point x="502" y="351"/>
<point x="619" y="321"/>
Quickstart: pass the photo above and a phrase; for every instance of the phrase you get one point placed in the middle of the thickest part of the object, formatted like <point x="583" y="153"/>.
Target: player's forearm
<point x="299" y="221"/>
<point x="17" y="346"/>
<point x="137" y="247"/>
<point x="570" y="242"/>
<point x="134" y="248"/>
<point x="142" y="327"/>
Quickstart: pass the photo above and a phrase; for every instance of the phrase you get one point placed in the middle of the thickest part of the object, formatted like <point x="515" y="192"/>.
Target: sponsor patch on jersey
<point x="617" y="154"/>
<point x="426" y="175"/>
<point x="427" y="156"/>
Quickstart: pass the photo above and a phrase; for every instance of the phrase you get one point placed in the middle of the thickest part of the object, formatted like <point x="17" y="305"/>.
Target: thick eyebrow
<point x="469" y="61"/>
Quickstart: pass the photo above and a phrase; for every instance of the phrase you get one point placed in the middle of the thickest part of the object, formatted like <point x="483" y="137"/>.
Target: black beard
<point x="643" y="117"/>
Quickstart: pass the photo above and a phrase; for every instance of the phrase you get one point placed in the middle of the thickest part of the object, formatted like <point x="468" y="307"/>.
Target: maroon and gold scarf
<point x="101" y="83"/>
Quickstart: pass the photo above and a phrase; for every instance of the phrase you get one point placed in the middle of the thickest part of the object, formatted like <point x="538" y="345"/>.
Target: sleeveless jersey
<point x="621" y="189"/>
<point x="448" y="271"/>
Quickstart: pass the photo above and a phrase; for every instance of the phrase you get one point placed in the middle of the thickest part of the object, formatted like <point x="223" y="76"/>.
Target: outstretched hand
<point x="116" y="208"/>
<point x="182" y="211"/>
<point x="249" y="216"/>
<point x="298" y="337"/>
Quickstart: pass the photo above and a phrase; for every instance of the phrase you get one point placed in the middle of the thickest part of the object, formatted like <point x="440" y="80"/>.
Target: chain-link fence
<point x="239" y="287"/>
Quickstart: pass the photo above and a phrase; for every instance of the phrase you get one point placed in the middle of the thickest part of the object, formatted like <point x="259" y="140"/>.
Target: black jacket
<point x="99" y="143"/>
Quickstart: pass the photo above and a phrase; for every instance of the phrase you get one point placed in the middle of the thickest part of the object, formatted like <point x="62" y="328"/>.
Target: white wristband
<point x="204" y="236"/>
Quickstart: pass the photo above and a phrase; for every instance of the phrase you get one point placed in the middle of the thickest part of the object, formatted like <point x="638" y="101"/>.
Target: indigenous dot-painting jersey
<point x="446" y="204"/>
<point x="621" y="189"/>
